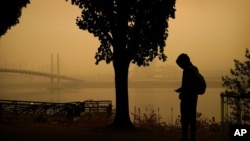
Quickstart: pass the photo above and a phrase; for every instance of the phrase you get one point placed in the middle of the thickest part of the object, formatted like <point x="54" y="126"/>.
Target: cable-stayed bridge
<point x="50" y="75"/>
<point x="38" y="73"/>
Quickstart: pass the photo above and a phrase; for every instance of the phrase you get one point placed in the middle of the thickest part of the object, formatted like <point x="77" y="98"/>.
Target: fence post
<point x="222" y="106"/>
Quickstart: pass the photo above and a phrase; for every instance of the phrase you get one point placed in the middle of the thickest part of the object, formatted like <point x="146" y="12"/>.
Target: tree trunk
<point x="122" y="119"/>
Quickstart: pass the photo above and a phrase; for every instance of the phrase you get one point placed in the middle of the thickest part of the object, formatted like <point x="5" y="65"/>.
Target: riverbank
<point x="28" y="129"/>
<point x="43" y="132"/>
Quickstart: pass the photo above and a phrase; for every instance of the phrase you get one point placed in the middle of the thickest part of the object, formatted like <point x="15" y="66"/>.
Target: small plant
<point x="148" y="119"/>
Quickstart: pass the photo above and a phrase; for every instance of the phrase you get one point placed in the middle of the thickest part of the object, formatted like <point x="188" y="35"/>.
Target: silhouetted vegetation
<point x="147" y="120"/>
<point x="10" y="13"/>
<point x="129" y="31"/>
<point x="237" y="93"/>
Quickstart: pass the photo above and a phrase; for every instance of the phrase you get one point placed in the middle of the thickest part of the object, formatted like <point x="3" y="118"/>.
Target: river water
<point x="163" y="98"/>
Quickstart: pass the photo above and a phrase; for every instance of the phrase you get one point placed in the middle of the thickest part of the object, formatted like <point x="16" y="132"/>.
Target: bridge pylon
<point x="53" y="84"/>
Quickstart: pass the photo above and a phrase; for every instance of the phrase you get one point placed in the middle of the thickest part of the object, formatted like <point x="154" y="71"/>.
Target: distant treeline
<point x="141" y="84"/>
<point x="101" y="84"/>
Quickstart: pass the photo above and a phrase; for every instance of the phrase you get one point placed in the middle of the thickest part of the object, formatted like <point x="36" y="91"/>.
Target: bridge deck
<point x="31" y="72"/>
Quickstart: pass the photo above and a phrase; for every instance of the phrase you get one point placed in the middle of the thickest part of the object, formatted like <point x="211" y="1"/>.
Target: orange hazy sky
<point x="212" y="32"/>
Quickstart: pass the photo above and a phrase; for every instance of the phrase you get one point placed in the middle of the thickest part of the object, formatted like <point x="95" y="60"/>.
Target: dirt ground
<point x="45" y="132"/>
<point x="36" y="128"/>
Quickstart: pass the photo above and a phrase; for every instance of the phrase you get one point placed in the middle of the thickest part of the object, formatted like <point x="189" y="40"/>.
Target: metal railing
<point x="51" y="108"/>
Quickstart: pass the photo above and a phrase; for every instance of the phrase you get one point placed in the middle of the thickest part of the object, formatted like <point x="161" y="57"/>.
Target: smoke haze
<point x="212" y="33"/>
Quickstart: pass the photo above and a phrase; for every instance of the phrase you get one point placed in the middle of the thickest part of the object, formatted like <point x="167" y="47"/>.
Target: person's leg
<point x="193" y="130"/>
<point x="193" y="120"/>
<point x="184" y="126"/>
<point x="184" y="121"/>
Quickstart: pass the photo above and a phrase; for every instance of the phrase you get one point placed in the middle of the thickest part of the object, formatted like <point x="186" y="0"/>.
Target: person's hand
<point x="178" y="90"/>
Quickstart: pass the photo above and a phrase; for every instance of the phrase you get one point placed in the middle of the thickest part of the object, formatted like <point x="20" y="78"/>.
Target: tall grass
<point x="150" y="119"/>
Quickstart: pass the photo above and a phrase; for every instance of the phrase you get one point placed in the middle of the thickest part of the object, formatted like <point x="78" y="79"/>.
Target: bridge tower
<point x="54" y="85"/>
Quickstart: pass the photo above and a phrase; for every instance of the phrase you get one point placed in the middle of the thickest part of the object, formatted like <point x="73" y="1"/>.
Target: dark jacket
<point x="187" y="89"/>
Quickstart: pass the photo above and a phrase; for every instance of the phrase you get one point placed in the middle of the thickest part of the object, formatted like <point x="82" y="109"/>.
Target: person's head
<point x="183" y="61"/>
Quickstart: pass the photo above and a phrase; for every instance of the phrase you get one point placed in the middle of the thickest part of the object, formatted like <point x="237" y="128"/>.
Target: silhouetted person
<point x="188" y="97"/>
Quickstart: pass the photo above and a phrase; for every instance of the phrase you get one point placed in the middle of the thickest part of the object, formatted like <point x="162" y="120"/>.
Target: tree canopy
<point x="10" y="12"/>
<point x="237" y="94"/>
<point x="239" y="82"/>
<point x="139" y="25"/>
